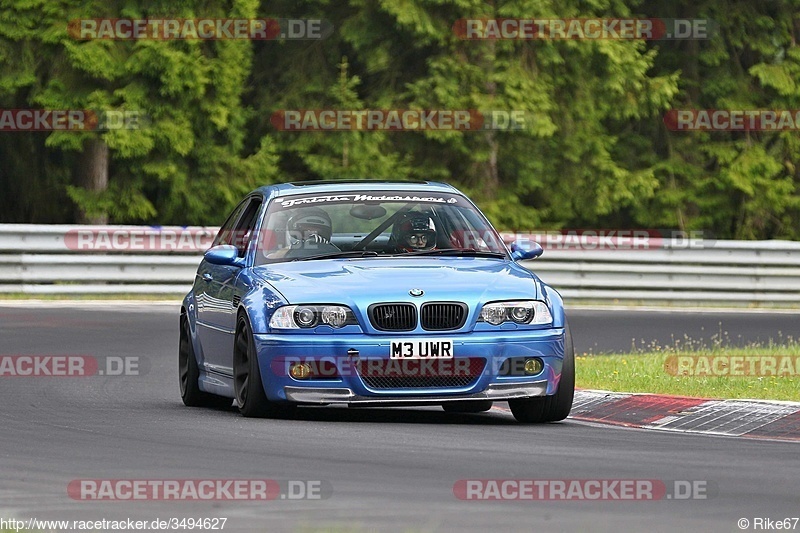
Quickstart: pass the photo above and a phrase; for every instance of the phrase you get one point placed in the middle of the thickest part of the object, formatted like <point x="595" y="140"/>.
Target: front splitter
<point x="345" y="396"/>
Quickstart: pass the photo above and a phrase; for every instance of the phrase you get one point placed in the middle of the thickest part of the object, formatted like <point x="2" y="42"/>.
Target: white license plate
<point x="421" y="349"/>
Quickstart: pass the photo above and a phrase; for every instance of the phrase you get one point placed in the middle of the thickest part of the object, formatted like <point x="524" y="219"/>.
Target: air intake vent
<point x="385" y="374"/>
<point x="443" y="316"/>
<point x="393" y="317"/>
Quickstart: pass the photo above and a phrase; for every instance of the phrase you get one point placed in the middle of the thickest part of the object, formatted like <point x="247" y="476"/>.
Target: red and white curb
<point x="737" y="418"/>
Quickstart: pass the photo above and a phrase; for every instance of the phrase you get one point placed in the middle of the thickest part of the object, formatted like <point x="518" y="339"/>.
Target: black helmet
<point x="414" y="232"/>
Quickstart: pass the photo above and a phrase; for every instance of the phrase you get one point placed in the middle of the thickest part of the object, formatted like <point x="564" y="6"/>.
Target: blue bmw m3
<point x="371" y="293"/>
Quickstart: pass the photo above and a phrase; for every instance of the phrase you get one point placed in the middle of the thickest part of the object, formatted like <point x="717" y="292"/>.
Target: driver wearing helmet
<point x="309" y="224"/>
<point x="414" y="232"/>
<point x="308" y="228"/>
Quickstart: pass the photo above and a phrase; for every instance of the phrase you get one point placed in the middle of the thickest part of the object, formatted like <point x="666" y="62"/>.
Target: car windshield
<point x="311" y="226"/>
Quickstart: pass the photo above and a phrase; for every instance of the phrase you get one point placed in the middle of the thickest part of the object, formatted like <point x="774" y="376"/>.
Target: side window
<point x="225" y="234"/>
<point x="243" y="232"/>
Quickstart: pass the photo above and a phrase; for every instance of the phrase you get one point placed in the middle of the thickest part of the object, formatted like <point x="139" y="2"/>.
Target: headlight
<point x="309" y="316"/>
<point x="521" y="312"/>
<point x="305" y="317"/>
<point x="334" y="315"/>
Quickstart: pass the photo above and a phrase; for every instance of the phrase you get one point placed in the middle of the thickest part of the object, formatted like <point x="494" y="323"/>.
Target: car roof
<point x="314" y="187"/>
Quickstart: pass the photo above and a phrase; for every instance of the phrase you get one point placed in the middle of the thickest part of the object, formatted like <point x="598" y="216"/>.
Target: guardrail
<point x="66" y="259"/>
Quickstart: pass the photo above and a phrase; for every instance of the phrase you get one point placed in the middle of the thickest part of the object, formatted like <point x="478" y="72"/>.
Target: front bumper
<point x="351" y="389"/>
<point x="330" y="395"/>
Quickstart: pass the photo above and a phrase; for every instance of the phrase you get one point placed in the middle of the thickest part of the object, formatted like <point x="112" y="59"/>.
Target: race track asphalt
<point x="385" y="470"/>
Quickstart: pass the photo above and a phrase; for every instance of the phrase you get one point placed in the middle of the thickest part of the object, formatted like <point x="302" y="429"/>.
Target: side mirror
<point x="224" y="254"/>
<point x="519" y="253"/>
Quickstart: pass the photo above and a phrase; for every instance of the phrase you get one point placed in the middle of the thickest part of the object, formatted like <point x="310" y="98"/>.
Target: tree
<point x="186" y="164"/>
<point x="737" y="184"/>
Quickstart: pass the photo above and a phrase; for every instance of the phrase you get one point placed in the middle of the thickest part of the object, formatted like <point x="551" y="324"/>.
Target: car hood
<point x="361" y="282"/>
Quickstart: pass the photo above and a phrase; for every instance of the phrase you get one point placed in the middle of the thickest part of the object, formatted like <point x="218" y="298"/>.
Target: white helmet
<point x="310" y="223"/>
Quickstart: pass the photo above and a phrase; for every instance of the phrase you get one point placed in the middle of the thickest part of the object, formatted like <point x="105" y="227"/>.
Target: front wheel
<point x="551" y="408"/>
<point x="247" y="383"/>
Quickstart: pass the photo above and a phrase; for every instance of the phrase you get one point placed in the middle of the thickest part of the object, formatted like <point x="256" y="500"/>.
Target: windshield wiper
<point x="458" y="252"/>
<point x="338" y="255"/>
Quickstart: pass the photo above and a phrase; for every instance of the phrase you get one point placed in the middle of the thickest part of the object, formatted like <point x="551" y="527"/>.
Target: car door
<point x="222" y="299"/>
<point x="230" y="291"/>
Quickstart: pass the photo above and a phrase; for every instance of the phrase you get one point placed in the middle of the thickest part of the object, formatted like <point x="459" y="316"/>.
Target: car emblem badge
<point x="416" y="292"/>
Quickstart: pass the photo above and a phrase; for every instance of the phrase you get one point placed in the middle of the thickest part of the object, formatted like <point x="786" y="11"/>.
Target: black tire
<point x="550" y="408"/>
<point x="247" y="384"/>
<point x="468" y="406"/>
<point x="189" y="373"/>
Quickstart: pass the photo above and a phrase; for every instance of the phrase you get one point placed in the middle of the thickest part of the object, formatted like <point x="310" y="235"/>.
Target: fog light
<point x="300" y="370"/>
<point x="533" y="366"/>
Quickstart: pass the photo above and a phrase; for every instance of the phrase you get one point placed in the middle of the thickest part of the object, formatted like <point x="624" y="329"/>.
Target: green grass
<point x="645" y="371"/>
